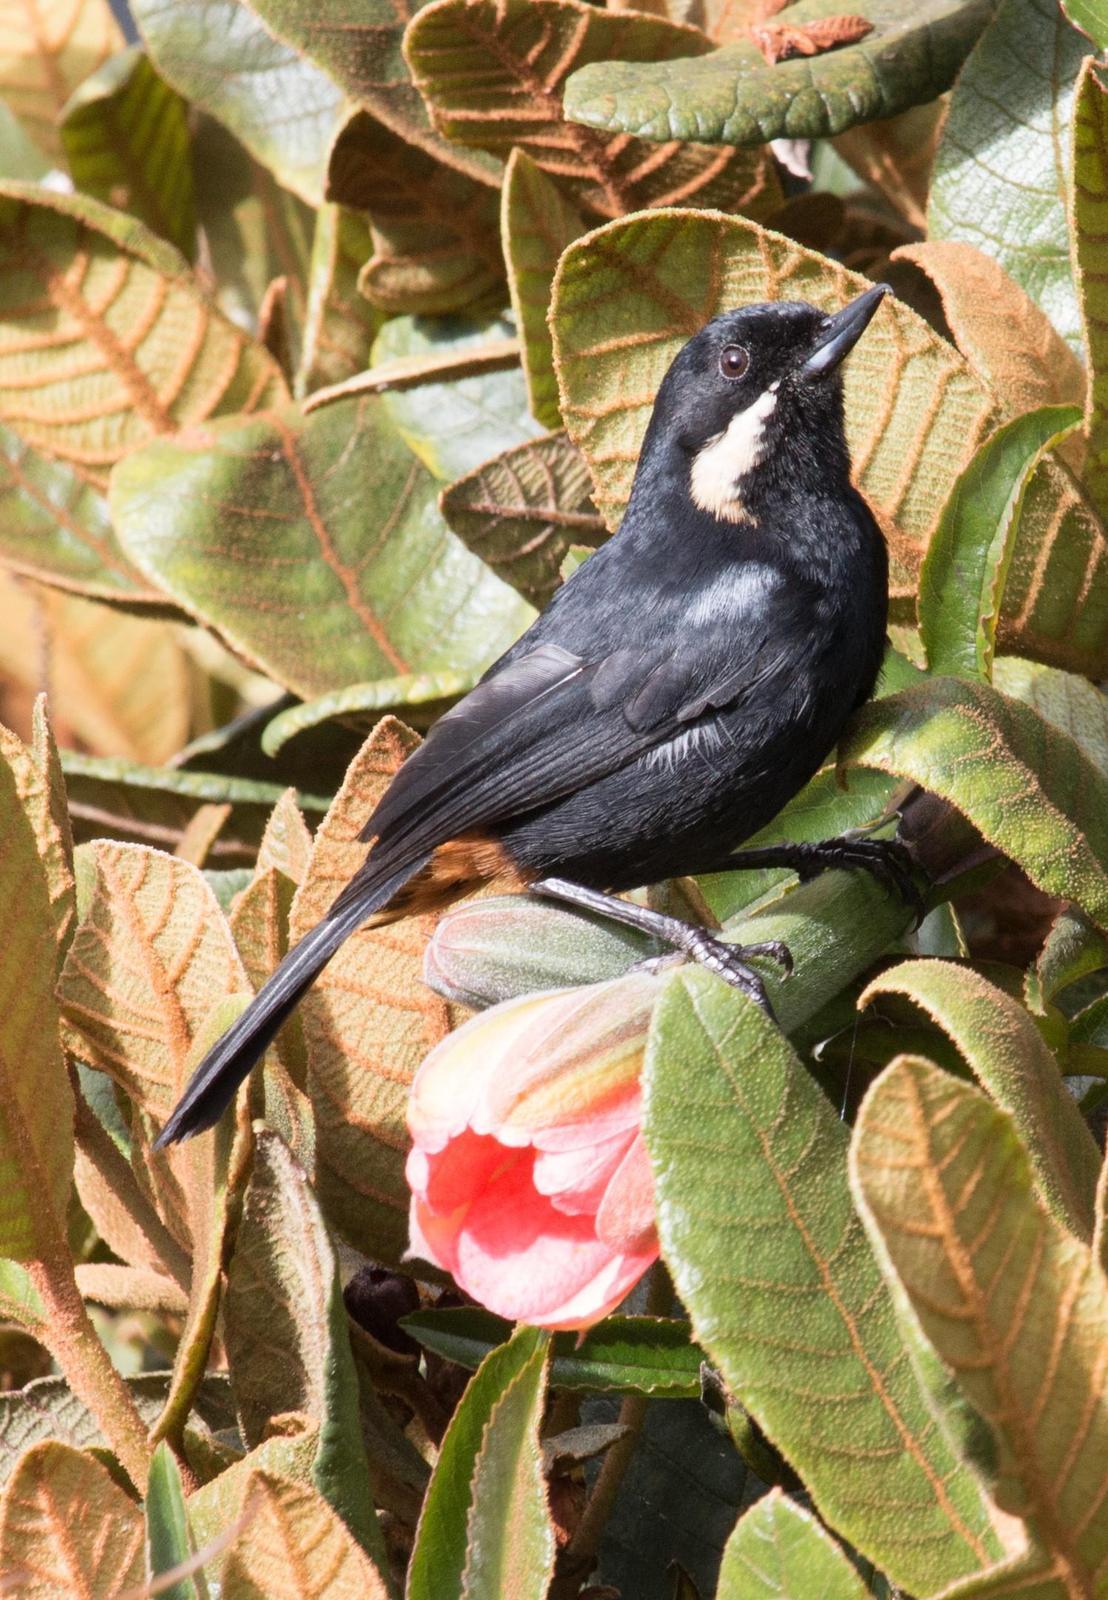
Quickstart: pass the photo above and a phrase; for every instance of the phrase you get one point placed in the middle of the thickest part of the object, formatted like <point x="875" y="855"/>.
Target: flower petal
<point x="625" y="1220"/>
<point x="575" y="1180"/>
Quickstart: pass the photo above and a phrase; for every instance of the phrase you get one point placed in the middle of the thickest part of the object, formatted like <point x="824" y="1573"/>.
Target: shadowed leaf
<point x="47" y="47"/>
<point x="363" y="703"/>
<point x="1026" y="785"/>
<point x="1014" y="1305"/>
<point x="1004" y="335"/>
<point x="768" y="1255"/>
<point x="340" y="327"/>
<point x="1089" y="243"/>
<point x="167" y="1535"/>
<point x="368" y="1022"/>
<point x="434" y="229"/>
<point x="732" y="95"/>
<point x="219" y="56"/>
<point x="537" y="222"/>
<point x="628" y="296"/>
<point x="334" y="525"/>
<point x="779" y="1551"/>
<point x="896" y="154"/>
<point x="963" y="576"/>
<point x="67" y="1528"/>
<point x="217" y="1508"/>
<point x="492" y="75"/>
<point x="294" y="1547"/>
<point x="106" y="340"/>
<point x="126" y="140"/>
<point x="1006" y="1052"/>
<point x="484" y="1532"/>
<point x="521" y="512"/>
<point x="285" y="1329"/>
<point x="1002" y="168"/>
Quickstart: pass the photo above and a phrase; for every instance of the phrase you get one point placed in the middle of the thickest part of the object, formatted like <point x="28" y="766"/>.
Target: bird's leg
<point x="888" y="860"/>
<point x="731" y="962"/>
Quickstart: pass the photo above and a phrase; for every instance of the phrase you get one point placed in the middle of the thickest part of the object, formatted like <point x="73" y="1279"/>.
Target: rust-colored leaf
<point x="368" y="1022"/>
<point x="47" y="47"/>
<point x="492" y="73"/>
<point x="67" y="1529"/>
<point x="287" y="842"/>
<point x="294" y="1547"/>
<point x="778" y="41"/>
<point x="130" y="1288"/>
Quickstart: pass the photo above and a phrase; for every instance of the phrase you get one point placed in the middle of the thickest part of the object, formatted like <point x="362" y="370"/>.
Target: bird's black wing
<point x="551" y="722"/>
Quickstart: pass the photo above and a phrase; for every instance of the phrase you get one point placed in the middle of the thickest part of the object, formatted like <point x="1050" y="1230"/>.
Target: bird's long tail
<point x="212" y="1086"/>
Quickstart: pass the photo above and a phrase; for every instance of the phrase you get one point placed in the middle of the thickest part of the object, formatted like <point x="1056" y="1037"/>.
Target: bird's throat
<point x="720" y="466"/>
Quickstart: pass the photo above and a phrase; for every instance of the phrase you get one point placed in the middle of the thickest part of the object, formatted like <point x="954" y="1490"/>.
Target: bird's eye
<point x="733" y="361"/>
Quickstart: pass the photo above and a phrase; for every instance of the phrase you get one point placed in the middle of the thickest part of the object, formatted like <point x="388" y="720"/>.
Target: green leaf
<point x="963" y="576"/>
<point x="492" y="73"/>
<point x="434" y="228"/>
<point x="156" y="804"/>
<point x="1072" y="950"/>
<point x="1072" y="704"/>
<point x="523" y="510"/>
<point x="432" y="691"/>
<point x="779" y="1551"/>
<point x="454" y="427"/>
<point x="758" y="1230"/>
<point x="282" y="502"/>
<point x="167" y="1533"/>
<point x="1002" y="169"/>
<point x="732" y="96"/>
<point x="966" y="568"/>
<point x="1007" y="1054"/>
<point x="125" y="135"/>
<point x="1015" y="1306"/>
<point x="621" y="1355"/>
<point x="484" y="1532"/>
<point x="20" y="157"/>
<point x="537" y="222"/>
<point x="285" y="1328"/>
<point x="1088" y="209"/>
<point x="340" y="325"/>
<point x="109" y="364"/>
<point x="1027" y="787"/>
<point x="219" y="56"/>
<point x="1091" y="17"/>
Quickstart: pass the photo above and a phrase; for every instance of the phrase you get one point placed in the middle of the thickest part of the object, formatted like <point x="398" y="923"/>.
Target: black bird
<point x="684" y="684"/>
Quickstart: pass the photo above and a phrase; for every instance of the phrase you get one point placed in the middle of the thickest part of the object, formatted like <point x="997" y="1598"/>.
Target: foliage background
<point x="328" y="335"/>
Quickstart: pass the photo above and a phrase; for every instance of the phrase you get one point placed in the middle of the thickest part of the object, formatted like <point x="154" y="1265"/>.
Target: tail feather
<point x="213" y="1085"/>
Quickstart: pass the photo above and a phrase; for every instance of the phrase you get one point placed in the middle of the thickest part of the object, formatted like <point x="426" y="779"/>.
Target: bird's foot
<point x="888" y="861"/>
<point x="731" y="962"/>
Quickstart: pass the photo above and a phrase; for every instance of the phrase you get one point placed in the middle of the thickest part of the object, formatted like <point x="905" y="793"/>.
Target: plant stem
<point x="582" y="1548"/>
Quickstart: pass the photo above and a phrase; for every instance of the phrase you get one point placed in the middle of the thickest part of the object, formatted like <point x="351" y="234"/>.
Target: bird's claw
<point x="731" y="962"/>
<point x="888" y="861"/>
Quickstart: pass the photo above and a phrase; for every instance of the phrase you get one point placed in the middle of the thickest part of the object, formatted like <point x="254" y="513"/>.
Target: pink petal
<point x="625" y="1220"/>
<point x="575" y="1180"/>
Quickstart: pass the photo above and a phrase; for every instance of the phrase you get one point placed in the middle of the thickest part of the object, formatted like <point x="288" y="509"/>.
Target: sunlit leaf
<point x="537" y="222"/>
<point x="521" y="512"/>
<point x="360" y="704"/>
<point x="1023" y="783"/>
<point x="340" y="325"/>
<point x="285" y="1329"/>
<point x="40" y="789"/>
<point x="294" y="1547"/>
<point x="485" y="1533"/>
<point x="1002" y="167"/>
<point x="492" y="75"/>
<point x="732" y="95"/>
<point x="220" y="57"/>
<point x="1063" y="699"/>
<point x="1088" y="202"/>
<point x="779" y="1551"/>
<point x="135" y="1288"/>
<point x="46" y="48"/>
<point x="125" y="134"/>
<point x="368" y="1022"/>
<point x="963" y="576"/>
<point x="434" y="228"/>
<point x="216" y="1509"/>
<point x="333" y="523"/>
<point x="1004" y="335"/>
<point x="1006" y="1052"/>
<point x="1072" y="949"/>
<point x="106" y="340"/>
<point x="67" y="1528"/>
<point x="1015" y="1306"/>
<point x="758" y="1230"/>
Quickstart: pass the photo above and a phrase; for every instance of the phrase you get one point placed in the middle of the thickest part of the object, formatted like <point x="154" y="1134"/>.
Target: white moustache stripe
<point x="718" y="468"/>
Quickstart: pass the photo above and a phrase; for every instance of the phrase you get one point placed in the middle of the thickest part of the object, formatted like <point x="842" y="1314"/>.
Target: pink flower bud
<point x="530" y="1180"/>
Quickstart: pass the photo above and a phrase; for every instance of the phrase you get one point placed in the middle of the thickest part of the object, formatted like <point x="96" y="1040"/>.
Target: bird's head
<point x="757" y="395"/>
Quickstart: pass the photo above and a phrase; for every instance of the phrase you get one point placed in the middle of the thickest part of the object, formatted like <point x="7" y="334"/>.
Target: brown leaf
<point x="779" y="40"/>
<point x="294" y="1547"/>
<point x="129" y="1288"/>
<point x="523" y="510"/>
<point x="492" y="73"/>
<point x="48" y="47"/>
<point x="203" y="829"/>
<point x="896" y="154"/>
<point x="67" y="1529"/>
<point x="435" y="244"/>
<point x="368" y="1022"/>
<point x="287" y="842"/>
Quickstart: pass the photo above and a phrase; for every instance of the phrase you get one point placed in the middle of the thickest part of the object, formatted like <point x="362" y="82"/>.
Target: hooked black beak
<point x="841" y="332"/>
